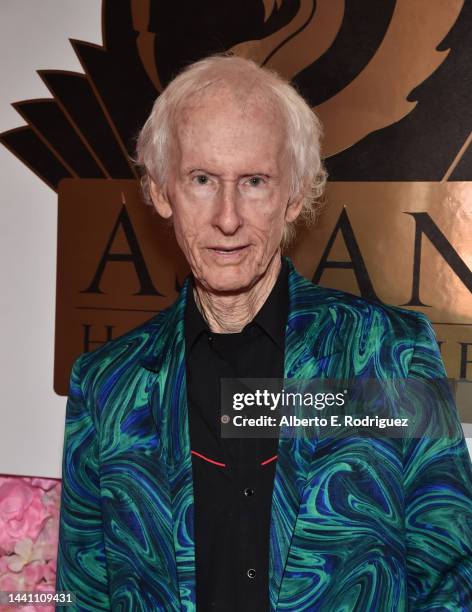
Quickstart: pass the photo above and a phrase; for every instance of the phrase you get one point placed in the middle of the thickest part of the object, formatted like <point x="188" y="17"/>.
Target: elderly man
<point x="159" y="511"/>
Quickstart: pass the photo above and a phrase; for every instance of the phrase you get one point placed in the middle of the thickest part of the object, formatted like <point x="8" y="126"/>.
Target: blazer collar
<point x="311" y="313"/>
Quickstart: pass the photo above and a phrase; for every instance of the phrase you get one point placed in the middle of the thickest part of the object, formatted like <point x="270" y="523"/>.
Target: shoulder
<point x="351" y="312"/>
<point x="386" y="337"/>
<point x="377" y="316"/>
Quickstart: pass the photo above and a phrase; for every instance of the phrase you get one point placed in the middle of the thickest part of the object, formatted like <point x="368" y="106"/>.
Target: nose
<point x="227" y="216"/>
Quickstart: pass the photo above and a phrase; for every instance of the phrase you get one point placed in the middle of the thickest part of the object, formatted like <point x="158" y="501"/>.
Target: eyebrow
<point x="192" y="169"/>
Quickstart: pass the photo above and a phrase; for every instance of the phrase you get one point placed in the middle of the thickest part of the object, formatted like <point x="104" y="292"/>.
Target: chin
<point x="228" y="280"/>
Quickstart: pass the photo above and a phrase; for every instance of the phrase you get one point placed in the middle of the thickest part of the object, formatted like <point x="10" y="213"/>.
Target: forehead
<point x="218" y="126"/>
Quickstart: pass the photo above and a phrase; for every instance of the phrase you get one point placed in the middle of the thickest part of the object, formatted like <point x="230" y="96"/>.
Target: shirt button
<point x="248" y="492"/>
<point x="251" y="573"/>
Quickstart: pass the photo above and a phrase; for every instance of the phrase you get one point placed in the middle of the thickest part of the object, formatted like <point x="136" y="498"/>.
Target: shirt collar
<point x="271" y="317"/>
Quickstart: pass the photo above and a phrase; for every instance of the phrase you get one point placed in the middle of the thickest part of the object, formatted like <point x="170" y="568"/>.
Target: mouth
<point x="224" y="249"/>
<point x="228" y="252"/>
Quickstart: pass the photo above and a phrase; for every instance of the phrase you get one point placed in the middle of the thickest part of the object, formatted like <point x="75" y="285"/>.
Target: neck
<point x="231" y="313"/>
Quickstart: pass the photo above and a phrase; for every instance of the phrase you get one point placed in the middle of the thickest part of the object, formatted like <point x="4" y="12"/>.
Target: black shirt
<point x="232" y="478"/>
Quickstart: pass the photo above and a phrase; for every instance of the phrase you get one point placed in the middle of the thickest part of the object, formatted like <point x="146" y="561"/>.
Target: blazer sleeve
<point x="438" y="491"/>
<point x="81" y="562"/>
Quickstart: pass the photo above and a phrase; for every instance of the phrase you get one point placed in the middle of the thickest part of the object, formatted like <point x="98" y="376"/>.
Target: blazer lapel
<point x="310" y="341"/>
<point x="169" y="410"/>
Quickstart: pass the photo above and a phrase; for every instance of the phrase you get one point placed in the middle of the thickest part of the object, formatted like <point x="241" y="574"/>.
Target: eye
<point x="255" y="181"/>
<point x="201" y="179"/>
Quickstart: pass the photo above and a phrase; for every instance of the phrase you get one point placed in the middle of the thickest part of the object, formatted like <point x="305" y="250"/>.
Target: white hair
<point x="243" y="77"/>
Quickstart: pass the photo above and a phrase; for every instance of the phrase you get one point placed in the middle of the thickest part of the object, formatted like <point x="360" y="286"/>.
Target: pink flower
<point x="45" y="588"/>
<point x="52" y="500"/>
<point x="21" y="512"/>
<point x="46" y="544"/>
<point x="10" y="582"/>
<point x="29" y="526"/>
<point x="50" y="573"/>
<point x="23" y="555"/>
<point x="33" y="574"/>
<point x="44" y="483"/>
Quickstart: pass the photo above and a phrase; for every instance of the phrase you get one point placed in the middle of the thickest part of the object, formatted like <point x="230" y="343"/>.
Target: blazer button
<point x="251" y="573"/>
<point x="248" y="492"/>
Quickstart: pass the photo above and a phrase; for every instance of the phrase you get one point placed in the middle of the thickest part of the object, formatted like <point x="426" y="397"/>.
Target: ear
<point x="160" y="200"/>
<point x="294" y="208"/>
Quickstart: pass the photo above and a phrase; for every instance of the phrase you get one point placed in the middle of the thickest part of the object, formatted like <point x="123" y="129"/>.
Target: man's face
<point x="228" y="190"/>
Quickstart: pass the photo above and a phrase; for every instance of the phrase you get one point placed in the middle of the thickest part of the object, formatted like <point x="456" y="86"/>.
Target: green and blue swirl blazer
<point x="357" y="523"/>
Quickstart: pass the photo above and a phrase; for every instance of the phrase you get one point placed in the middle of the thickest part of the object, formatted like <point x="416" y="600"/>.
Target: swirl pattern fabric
<point x="357" y="524"/>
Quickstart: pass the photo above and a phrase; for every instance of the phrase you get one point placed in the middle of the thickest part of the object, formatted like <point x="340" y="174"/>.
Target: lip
<point x="229" y="252"/>
<point x="228" y="249"/>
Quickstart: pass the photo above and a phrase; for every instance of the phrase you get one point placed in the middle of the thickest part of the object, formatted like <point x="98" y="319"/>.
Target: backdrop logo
<point x="382" y="77"/>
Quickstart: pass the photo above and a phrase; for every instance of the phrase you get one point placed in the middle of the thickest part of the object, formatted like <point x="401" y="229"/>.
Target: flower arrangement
<point x="29" y="527"/>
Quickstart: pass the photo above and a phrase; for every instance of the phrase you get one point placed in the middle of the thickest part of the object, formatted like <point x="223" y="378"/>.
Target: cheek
<point x="184" y="231"/>
<point x="184" y="221"/>
<point x="270" y="224"/>
<point x="188" y="235"/>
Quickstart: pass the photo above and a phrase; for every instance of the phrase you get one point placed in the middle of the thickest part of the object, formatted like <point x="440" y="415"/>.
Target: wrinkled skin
<point x="227" y="190"/>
